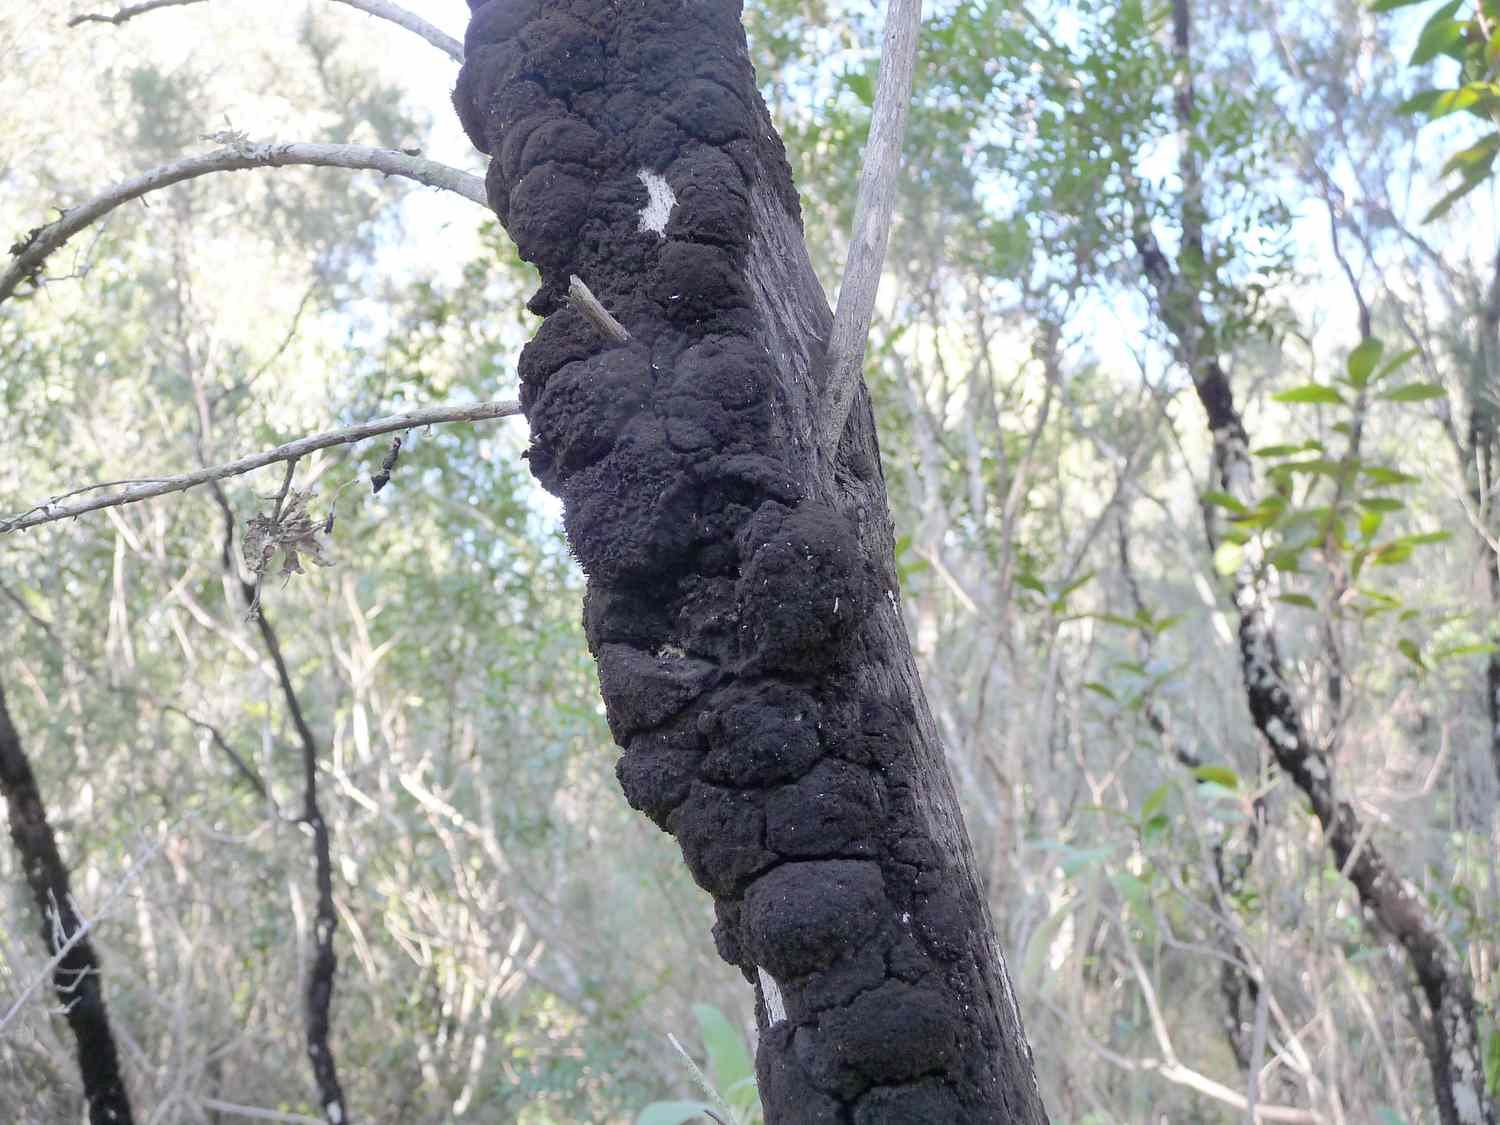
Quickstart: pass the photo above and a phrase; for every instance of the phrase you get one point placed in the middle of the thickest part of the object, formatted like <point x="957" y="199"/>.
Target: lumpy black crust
<point x="741" y="597"/>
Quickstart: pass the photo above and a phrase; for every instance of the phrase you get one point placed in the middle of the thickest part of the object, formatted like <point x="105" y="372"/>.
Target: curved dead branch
<point x="385" y="10"/>
<point x="380" y="9"/>
<point x="33" y="248"/>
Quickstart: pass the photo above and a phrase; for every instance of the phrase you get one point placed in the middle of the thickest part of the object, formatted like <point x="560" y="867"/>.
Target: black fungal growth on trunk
<point x="742" y="597"/>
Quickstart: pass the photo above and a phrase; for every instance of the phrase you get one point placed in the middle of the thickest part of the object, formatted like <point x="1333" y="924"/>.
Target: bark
<point x="742" y="600"/>
<point x="76" y="977"/>
<point x="1484" y="483"/>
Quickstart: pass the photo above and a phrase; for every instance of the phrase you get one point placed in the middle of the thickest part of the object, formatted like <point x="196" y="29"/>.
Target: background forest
<point x="515" y="943"/>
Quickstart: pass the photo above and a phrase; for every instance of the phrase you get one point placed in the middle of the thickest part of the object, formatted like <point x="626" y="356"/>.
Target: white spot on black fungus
<point x="660" y="201"/>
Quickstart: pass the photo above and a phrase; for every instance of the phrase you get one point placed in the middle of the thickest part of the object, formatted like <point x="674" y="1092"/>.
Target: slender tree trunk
<point x="1484" y="482"/>
<point x="742" y="600"/>
<point x="1393" y="905"/>
<point x="318" y="999"/>
<point x="76" y="979"/>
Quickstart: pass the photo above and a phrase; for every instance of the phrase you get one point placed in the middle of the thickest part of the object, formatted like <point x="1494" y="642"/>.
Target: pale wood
<point x="872" y="221"/>
<point x="583" y="299"/>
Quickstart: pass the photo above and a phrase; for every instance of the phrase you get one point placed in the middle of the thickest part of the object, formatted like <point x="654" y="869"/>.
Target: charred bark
<point x="1484" y="481"/>
<point x="75" y="979"/>
<point x="742" y="600"/>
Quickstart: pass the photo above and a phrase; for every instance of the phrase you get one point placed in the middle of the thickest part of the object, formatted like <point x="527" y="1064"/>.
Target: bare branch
<point x="33" y="248"/>
<point x="872" y="221"/>
<point x="380" y="9"/>
<point x="129" y="12"/>
<point x="255" y="1112"/>
<point x="385" y="10"/>
<point x="134" y="492"/>
<point x="595" y="313"/>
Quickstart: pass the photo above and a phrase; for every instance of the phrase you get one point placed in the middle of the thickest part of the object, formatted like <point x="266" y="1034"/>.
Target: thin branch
<point x="129" y="12"/>
<point x="145" y="489"/>
<point x="1180" y="1075"/>
<point x="872" y="221"/>
<point x="318" y="1000"/>
<point x="236" y="1110"/>
<point x="385" y="10"/>
<point x="33" y="248"/>
<point x="79" y="935"/>
<point x="585" y="302"/>
<point x="380" y="9"/>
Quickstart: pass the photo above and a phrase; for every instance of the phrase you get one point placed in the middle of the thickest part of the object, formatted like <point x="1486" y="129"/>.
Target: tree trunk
<point x="742" y="600"/>
<point x="75" y="979"/>
<point x="1392" y="904"/>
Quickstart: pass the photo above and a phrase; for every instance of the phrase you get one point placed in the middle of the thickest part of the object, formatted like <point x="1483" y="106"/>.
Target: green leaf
<point x="1297" y="599"/>
<point x="1441" y="32"/>
<point x="1318" y="465"/>
<point x="1031" y="582"/>
<point x="1409" y="649"/>
<point x="1473" y="164"/>
<point x="1154" y="801"/>
<point x="1073" y="585"/>
<point x="1434" y="104"/>
<point x="1163" y="624"/>
<point x="1277" y="450"/>
<point x="1413" y="392"/>
<point x="1397" y="361"/>
<point x="1425" y="538"/>
<point x="1381" y="475"/>
<point x="1223" y="500"/>
<point x="862" y="86"/>
<point x="1362" y="361"/>
<point x="1474" y="160"/>
<point x="1380" y="504"/>
<point x="1228" y="557"/>
<point x="1310" y="392"/>
<point x="1099" y="689"/>
<point x="1390" y="554"/>
<point x="727" y="1055"/>
<point x="673" y="1113"/>
<point x="1464" y="650"/>
<point x="1421" y="102"/>
<point x="1392" y="5"/>
<point x="1218" y="775"/>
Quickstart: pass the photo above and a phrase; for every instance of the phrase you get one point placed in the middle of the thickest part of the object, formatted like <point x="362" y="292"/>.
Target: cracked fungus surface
<point x="753" y="669"/>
